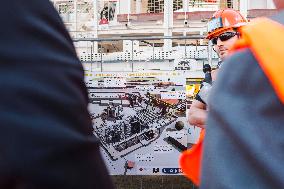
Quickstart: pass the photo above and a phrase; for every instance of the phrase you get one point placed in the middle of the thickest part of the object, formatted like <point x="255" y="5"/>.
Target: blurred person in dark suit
<point x="46" y="135"/>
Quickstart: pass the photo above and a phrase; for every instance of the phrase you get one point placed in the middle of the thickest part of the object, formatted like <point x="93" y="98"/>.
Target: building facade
<point x="125" y="20"/>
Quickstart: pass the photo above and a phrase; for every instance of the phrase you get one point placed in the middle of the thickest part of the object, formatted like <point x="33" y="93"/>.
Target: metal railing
<point x="132" y="55"/>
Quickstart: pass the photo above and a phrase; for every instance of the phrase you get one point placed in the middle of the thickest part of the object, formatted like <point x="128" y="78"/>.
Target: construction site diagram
<point x="140" y="120"/>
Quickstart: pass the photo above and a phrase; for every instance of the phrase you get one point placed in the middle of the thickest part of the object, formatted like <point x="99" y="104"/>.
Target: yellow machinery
<point x="193" y="86"/>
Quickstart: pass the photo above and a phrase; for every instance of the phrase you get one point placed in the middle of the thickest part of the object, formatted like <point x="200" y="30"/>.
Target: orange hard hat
<point x="224" y="20"/>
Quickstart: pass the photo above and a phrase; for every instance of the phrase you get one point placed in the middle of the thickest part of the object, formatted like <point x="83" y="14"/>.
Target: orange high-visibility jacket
<point x="269" y="53"/>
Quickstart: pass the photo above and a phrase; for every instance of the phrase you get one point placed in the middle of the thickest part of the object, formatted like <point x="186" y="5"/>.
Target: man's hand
<point x="197" y="115"/>
<point x="214" y="74"/>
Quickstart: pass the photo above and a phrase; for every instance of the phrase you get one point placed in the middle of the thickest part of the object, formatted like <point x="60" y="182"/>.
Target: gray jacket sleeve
<point x="244" y="143"/>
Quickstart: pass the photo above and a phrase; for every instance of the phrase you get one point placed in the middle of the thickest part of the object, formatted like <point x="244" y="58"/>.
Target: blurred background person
<point x="46" y="135"/>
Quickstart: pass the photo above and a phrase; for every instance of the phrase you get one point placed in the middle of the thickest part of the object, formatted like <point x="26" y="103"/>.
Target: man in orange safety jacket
<point x="223" y="33"/>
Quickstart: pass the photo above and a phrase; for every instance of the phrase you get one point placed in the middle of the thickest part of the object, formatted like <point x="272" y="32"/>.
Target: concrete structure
<point x="146" y="18"/>
<point x="152" y="13"/>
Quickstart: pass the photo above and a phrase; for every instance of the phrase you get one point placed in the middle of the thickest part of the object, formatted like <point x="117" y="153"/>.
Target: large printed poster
<point x="140" y="119"/>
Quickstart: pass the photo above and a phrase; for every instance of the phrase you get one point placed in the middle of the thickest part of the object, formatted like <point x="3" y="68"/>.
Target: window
<point x="230" y="3"/>
<point x="177" y="5"/>
<point x="65" y="8"/>
<point x="155" y="6"/>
